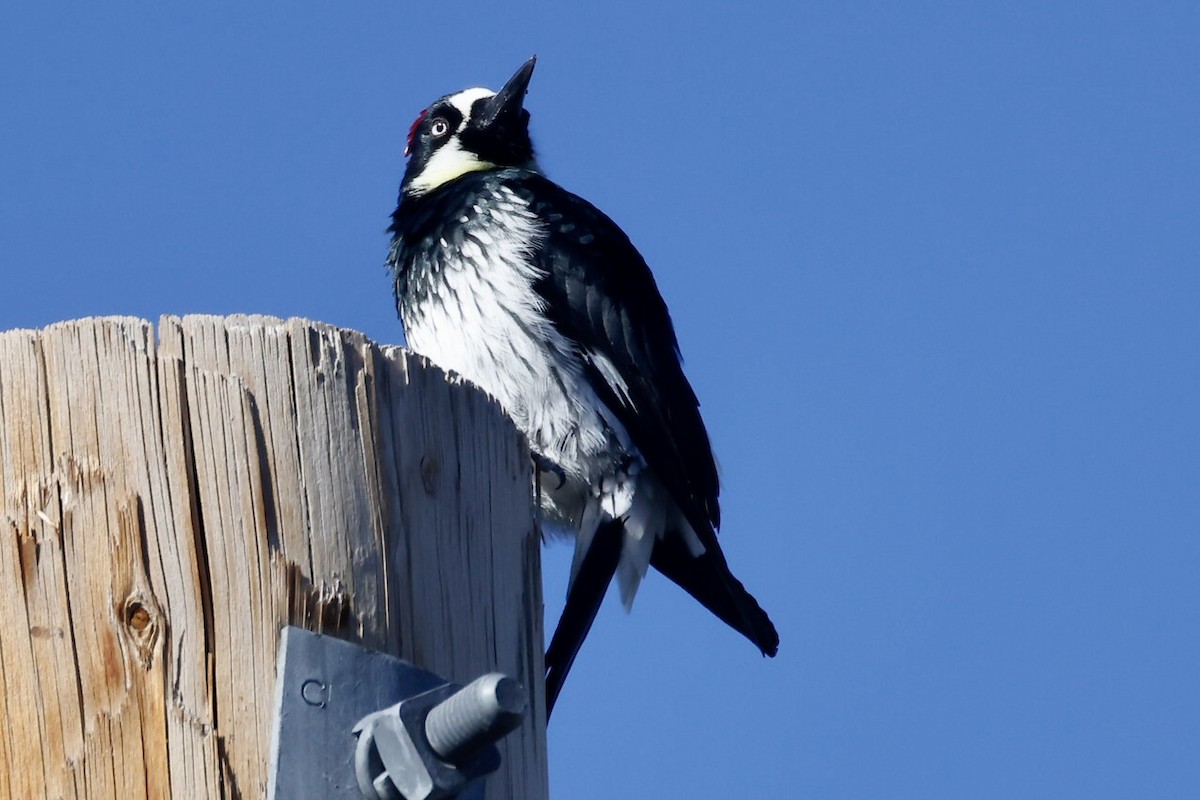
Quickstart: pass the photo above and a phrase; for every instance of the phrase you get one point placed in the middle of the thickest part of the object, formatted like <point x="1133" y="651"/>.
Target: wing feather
<point x="599" y="293"/>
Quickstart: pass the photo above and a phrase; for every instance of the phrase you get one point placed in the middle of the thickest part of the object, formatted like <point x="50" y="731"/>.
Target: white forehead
<point x="466" y="98"/>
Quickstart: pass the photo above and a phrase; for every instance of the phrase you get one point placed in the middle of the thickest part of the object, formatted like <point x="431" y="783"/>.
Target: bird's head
<point x="474" y="130"/>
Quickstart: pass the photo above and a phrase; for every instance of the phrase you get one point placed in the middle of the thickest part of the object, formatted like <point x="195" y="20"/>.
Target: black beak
<point x="506" y="104"/>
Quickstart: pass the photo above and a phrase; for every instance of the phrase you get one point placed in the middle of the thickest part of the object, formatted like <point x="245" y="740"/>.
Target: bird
<point x="537" y="297"/>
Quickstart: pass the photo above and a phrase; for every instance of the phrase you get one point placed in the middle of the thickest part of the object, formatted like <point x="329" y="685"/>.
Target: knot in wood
<point x="142" y="624"/>
<point x="137" y="617"/>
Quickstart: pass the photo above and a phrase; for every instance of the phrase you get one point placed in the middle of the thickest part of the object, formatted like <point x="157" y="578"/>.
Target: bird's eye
<point x="439" y="127"/>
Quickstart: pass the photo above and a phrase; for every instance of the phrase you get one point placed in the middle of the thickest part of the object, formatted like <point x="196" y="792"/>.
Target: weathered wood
<point x="168" y="506"/>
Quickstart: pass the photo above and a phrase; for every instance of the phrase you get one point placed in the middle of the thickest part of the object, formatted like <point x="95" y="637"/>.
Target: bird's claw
<point x="544" y="464"/>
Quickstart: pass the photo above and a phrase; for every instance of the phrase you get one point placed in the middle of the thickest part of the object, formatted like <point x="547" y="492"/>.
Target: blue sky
<point x="934" y="270"/>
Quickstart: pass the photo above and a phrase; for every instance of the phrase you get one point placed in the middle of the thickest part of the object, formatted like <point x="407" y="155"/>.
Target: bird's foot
<point x="544" y="464"/>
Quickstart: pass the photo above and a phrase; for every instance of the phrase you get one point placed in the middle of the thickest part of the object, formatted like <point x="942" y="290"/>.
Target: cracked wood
<point x="169" y="503"/>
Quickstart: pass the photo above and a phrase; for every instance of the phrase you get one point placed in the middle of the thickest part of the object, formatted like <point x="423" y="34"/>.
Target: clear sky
<point x="934" y="269"/>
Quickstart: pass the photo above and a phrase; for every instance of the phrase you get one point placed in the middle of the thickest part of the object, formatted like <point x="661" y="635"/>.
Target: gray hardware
<point x="438" y="743"/>
<point x="327" y="687"/>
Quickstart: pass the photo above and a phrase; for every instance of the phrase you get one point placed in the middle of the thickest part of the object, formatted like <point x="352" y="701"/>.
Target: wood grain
<point x="169" y="504"/>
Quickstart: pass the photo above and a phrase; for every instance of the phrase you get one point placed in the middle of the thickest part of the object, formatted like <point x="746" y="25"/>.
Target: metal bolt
<point x="475" y="716"/>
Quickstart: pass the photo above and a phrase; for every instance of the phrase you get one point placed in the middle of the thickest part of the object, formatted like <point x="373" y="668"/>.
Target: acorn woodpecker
<point x="541" y="300"/>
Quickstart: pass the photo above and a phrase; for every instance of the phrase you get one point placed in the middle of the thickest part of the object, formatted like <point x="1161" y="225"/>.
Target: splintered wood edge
<point x="208" y="406"/>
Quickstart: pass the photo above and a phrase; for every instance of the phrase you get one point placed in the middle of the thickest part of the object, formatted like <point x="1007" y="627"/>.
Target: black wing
<point x="600" y="294"/>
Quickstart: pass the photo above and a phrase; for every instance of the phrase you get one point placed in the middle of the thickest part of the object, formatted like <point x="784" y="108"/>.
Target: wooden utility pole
<point x="169" y="505"/>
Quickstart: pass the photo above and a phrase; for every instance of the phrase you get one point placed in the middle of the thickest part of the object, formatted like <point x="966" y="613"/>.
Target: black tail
<point x="583" y="601"/>
<point x="708" y="579"/>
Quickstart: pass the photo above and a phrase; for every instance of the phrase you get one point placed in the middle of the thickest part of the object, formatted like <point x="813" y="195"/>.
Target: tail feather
<point x="707" y="578"/>
<point x="588" y="587"/>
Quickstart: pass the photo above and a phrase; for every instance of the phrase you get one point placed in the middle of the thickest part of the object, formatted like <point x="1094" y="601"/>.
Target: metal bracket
<point x="436" y="740"/>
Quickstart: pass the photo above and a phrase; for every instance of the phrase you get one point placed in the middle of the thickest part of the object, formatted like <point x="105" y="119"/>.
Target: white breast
<point x="484" y="321"/>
